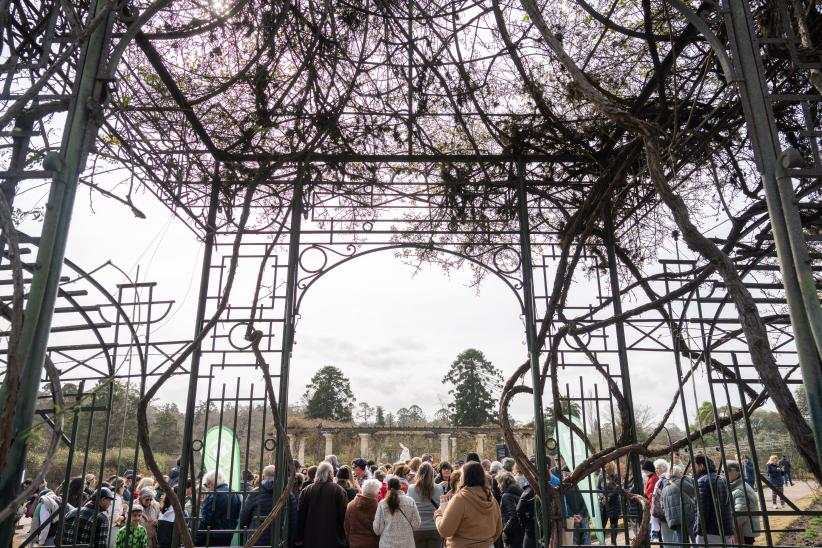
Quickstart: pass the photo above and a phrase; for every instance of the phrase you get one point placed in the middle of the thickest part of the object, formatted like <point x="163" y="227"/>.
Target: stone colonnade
<point x="448" y="444"/>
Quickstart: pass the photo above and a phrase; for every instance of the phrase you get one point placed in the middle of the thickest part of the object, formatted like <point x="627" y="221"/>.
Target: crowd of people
<point x="415" y="503"/>
<point x="121" y="512"/>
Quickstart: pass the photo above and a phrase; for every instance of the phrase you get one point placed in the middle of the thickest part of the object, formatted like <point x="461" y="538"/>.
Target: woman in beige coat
<point x="471" y="519"/>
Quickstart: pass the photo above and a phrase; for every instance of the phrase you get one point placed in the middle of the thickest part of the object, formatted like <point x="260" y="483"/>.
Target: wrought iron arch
<point x="305" y="286"/>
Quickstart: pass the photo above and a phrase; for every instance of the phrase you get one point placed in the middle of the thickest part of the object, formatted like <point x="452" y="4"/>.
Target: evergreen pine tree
<point x="329" y="396"/>
<point x="475" y="381"/>
<point x="379" y="419"/>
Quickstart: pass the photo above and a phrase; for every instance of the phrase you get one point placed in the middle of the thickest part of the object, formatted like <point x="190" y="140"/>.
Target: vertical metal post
<point x="280" y="533"/>
<point x="622" y="350"/>
<point x="80" y="131"/>
<point x="533" y="351"/>
<point x="186" y="459"/>
<point x="78" y="405"/>
<point x="812" y="376"/>
<point x="765" y="139"/>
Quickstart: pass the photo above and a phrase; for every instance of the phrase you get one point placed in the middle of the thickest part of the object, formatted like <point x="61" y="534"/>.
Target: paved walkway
<point x="801" y="493"/>
<point x="801" y="489"/>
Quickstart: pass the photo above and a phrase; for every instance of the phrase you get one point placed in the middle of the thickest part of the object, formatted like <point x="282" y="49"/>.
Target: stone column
<point x="329" y="443"/>
<point x="291" y="443"/>
<point x="301" y="450"/>
<point x="481" y="444"/>
<point x="454" y="449"/>
<point x="528" y="444"/>
<point x="445" y="454"/>
<point x="364" y="439"/>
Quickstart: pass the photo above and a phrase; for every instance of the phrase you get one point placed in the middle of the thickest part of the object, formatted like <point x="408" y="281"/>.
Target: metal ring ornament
<point x="302" y="259"/>
<point x="231" y="337"/>
<point x="270" y="444"/>
<point x="499" y="259"/>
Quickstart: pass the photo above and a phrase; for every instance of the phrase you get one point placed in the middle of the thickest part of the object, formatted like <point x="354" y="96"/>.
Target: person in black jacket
<point x="526" y="516"/>
<point x="322" y="512"/>
<point x="526" y="511"/>
<point x="258" y="505"/>
<point x="714" y="517"/>
<point x="785" y="465"/>
<point x="512" y="531"/>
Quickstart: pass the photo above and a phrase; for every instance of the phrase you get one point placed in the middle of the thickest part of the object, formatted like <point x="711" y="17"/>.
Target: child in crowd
<point x="134" y="536"/>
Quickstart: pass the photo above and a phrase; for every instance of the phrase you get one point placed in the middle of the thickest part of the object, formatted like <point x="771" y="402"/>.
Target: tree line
<point x="474" y="381"/>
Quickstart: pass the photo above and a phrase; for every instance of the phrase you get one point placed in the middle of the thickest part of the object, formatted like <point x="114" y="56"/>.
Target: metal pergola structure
<point x="293" y="138"/>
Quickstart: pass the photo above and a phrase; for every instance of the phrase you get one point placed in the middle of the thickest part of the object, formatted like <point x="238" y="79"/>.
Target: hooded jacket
<point x="359" y="522"/>
<point x="470" y="519"/>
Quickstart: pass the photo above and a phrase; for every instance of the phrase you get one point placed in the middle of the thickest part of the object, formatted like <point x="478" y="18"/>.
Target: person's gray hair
<point x="371" y="488"/>
<point x="662" y="463"/>
<point x="677" y="471"/>
<point x="505" y="479"/>
<point x="496" y="466"/>
<point x="332" y="459"/>
<point x="735" y="466"/>
<point x="214" y="478"/>
<point x="508" y="464"/>
<point x="325" y="472"/>
<point x="270" y="472"/>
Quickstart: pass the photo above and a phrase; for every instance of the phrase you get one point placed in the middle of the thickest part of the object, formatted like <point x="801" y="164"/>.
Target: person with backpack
<point x="657" y="512"/>
<point x="47" y="504"/>
<point x="396" y="518"/>
<point x="678" y="505"/>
